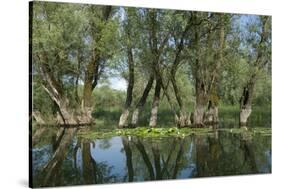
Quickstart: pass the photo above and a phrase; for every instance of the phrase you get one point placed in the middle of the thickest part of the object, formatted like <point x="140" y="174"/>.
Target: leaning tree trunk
<point x="246" y="103"/>
<point x="142" y="101"/>
<point x="65" y="115"/>
<point x="155" y="104"/>
<point x="38" y="117"/>
<point x="55" y="90"/>
<point x="183" y="119"/>
<point x="123" y="121"/>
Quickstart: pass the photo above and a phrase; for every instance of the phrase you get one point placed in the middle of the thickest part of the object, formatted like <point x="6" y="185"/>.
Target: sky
<point x="118" y="83"/>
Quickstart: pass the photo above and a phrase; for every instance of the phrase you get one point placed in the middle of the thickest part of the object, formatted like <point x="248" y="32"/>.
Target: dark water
<point x="62" y="158"/>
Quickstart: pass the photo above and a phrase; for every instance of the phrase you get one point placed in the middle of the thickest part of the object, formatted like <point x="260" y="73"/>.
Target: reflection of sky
<point x="41" y="156"/>
<point x="189" y="170"/>
<point x="112" y="156"/>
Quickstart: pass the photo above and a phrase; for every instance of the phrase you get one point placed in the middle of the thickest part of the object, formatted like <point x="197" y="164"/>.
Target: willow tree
<point x="179" y="42"/>
<point x="66" y="52"/>
<point x="133" y="64"/>
<point x="207" y="55"/>
<point x="129" y="38"/>
<point x="102" y="36"/>
<point x="154" y="36"/>
<point x="158" y="34"/>
<point x="257" y="48"/>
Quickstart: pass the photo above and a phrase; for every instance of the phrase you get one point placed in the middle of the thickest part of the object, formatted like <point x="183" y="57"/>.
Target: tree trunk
<point x="55" y="91"/>
<point x="66" y="117"/>
<point x="211" y="117"/>
<point x="246" y="102"/>
<point x="200" y="86"/>
<point x="199" y="115"/>
<point x="201" y="103"/>
<point x="155" y="104"/>
<point x="142" y="101"/>
<point x="135" y="116"/>
<point x="123" y="121"/>
<point x="183" y="120"/>
<point x="87" y="105"/>
<point x="38" y="118"/>
<point x="244" y="115"/>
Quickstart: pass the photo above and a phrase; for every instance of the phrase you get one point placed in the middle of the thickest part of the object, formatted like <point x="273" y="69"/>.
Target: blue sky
<point x="118" y="83"/>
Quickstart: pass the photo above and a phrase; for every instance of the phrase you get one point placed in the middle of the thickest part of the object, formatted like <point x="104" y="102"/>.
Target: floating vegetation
<point x="145" y="132"/>
<point x="166" y="132"/>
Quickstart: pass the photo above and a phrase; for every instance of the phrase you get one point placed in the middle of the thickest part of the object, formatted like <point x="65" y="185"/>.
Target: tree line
<point x="75" y="47"/>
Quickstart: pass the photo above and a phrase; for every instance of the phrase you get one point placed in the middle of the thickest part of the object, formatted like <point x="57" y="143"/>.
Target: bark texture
<point x="38" y="118"/>
<point x="142" y="101"/>
<point x="123" y="121"/>
<point x="246" y="103"/>
<point x="201" y="103"/>
<point x="155" y="104"/>
<point x="54" y="88"/>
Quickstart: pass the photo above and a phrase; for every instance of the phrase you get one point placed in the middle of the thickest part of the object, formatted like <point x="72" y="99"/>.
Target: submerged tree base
<point x="167" y="132"/>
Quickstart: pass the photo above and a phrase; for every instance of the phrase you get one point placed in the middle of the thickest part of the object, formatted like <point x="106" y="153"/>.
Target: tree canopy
<point x="186" y="62"/>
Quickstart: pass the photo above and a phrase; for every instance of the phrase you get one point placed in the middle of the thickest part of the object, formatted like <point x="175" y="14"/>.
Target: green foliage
<point x="67" y="37"/>
<point x="106" y="98"/>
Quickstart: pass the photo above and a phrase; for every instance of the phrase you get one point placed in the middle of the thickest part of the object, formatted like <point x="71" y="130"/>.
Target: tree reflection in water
<point x="75" y="160"/>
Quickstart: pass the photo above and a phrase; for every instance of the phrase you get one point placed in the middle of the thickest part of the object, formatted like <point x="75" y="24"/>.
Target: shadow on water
<point x="65" y="159"/>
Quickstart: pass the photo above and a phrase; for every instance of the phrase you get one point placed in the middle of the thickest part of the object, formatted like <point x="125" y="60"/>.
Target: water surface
<point x="63" y="158"/>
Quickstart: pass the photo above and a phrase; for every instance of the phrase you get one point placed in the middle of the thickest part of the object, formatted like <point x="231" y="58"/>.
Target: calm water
<point x="62" y="158"/>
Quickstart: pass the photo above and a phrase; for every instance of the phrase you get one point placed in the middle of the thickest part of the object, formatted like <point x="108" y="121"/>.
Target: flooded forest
<point x="125" y="94"/>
